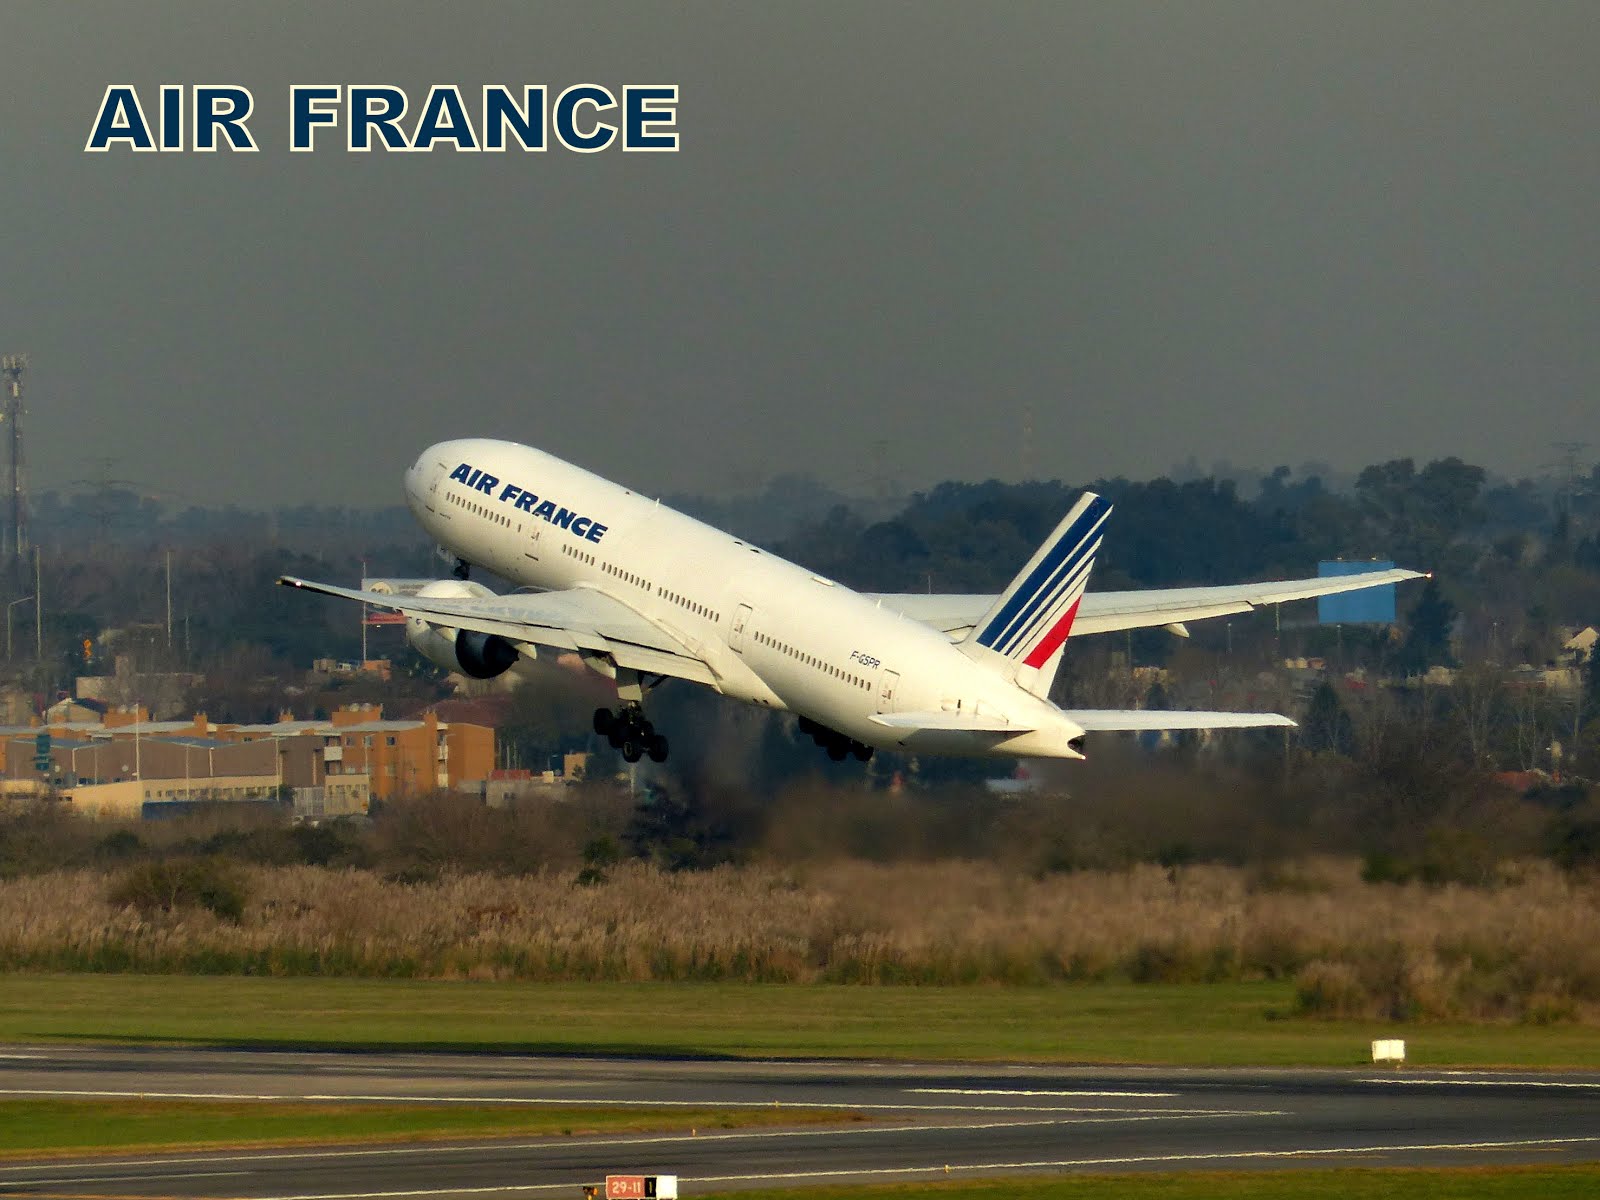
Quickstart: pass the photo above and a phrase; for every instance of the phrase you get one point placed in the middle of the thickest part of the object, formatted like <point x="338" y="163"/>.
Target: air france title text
<point x="585" y="118"/>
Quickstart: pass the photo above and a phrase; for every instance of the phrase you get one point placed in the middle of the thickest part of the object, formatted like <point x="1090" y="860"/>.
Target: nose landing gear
<point x="629" y="732"/>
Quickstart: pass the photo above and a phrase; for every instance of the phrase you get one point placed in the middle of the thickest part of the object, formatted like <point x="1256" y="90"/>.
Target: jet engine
<point x="463" y="651"/>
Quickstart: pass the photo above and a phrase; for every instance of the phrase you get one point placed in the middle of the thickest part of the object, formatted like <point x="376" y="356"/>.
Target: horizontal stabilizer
<point x="969" y="722"/>
<point x="1107" y="720"/>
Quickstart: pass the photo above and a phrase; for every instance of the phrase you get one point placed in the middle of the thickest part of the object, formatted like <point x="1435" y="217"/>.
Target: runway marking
<point x="570" y="1186"/>
<point x="1128" y="1160"/>
<point x="569" y="1143"/>
<point x="124" y="1178"/>
<point x="1037" y="1092"/>
<point x="1538" y="1083"/>
<point x="569" y="1101"/>
<point x="941" y="1169"/>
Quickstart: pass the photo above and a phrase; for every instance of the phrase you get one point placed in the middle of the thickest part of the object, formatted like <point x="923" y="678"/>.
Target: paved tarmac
<point x="926" y="1121"/>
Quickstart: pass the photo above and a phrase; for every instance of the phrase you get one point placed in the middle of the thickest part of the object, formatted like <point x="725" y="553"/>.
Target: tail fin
<point x="1022" y="635"/>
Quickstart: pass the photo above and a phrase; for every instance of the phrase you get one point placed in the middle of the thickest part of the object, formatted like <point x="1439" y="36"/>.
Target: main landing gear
<point x="836" y="744"/>
<point x="628" y="731"/>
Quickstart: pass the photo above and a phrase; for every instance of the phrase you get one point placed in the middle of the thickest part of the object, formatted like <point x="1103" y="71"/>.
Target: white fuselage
<point x="773" y="633"/>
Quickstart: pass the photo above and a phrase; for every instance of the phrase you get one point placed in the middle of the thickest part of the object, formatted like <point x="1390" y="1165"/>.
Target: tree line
<point x="1514" y="562"/>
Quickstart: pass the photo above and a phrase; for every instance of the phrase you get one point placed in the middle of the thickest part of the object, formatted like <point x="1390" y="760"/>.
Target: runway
<point x="923" y="1121"/>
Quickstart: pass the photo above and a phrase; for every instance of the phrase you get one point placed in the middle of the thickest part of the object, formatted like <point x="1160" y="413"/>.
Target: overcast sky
<point x="895" y="236"/>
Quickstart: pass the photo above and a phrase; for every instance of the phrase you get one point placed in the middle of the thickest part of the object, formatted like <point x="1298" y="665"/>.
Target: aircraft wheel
<point x="862" y="751"/>
<point x="632" y="751"/>
<point x="656" y="748"/>
<point x="604" y="719"/>
<point x="616" y="735"/>
<point x="837" y="749"/>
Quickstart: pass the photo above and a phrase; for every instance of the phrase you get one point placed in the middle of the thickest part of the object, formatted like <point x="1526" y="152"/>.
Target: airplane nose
<point x="416" y="477"/>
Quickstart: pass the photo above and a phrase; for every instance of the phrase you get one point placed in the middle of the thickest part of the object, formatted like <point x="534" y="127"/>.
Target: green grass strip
<point x="1225" y="1024"/>
<point x="55" y="1126"/>
<point x="1350" y="1183"/>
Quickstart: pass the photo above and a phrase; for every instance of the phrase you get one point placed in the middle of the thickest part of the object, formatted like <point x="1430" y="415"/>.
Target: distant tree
<point x="831" y="547"/>
<point x="1415" y="514"/>
<point x="684" y="829"/>
<point x="1280" y="494"/>
<point x="548" y="712"/>
<point x="1327" y="726"/>
<point x="1591" y="686"/>
<point x="1163" y="533"/>
<point x="1587" y="553"/>
<point x="1427" y="640"/>
<point x="1560" y="548"/>
<point x="1479" y="711"/>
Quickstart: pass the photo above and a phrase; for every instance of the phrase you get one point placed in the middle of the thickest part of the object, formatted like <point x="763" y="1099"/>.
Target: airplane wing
<point x="1105" y="612"/>
<point x="580" y="619"/>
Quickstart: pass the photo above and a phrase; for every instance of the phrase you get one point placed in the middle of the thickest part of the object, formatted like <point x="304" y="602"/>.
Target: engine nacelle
<point x="462" y="651"/>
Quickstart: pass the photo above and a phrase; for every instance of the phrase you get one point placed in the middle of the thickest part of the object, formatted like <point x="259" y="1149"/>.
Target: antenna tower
<point x="12" y="368"/>
<point x="1568" y="465"/>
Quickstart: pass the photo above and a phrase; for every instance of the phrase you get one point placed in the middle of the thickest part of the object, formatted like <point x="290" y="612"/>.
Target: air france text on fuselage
<point x="521" y="499"/>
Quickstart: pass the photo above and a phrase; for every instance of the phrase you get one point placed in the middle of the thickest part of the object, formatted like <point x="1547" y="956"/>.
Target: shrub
<point x="1381" y="867"/>
<point x="168" y="886"/>
<point x="599" y="854"/>
<point x="119" y="844"/>
<point x="1330" y="989"/>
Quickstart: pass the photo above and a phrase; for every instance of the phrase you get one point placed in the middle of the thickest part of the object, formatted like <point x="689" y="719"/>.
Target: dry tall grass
<point x="1528" y="947"/>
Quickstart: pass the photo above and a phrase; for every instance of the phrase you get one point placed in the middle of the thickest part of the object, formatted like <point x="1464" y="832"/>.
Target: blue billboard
<point x="1369" y="606"/>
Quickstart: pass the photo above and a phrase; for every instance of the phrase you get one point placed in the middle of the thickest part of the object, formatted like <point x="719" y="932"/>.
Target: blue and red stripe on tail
<point x="1030" y="621"/>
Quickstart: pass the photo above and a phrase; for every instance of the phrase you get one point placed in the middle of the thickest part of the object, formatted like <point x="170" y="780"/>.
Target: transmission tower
<point x="12" y="368"/>
<point x="1567" y="464"/>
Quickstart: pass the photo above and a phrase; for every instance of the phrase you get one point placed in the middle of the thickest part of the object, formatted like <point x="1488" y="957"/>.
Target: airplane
<point x="644" y="594"/>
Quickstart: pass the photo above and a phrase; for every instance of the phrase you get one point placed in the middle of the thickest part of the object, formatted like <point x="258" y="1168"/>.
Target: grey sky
<point x="1266" y="232"/>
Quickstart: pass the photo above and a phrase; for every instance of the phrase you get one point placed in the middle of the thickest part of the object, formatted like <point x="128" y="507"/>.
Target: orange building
<point x="354" y="751"/>
<point x="399" y="757"/>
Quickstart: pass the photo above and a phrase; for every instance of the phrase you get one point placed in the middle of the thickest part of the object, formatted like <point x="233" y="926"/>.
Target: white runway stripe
<point x="124" y="1178"/>
<point x="1533" y="1083"/>
<point x="1147" y="1159"/>
<point x="565" y="1101"/>
<point x="1040" y="1092"/>
<point x="572" y="1185"/>
<point x="565" y="1143"/>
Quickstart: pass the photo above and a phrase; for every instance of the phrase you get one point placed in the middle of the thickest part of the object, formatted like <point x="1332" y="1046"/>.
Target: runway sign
<point x="641" y="1187"/>
<point x="1388" y="1050"/>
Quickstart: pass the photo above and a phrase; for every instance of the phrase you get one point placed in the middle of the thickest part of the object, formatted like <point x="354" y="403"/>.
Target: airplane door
<point x="741" y="619"/>
<point x="888" y="684"/>
<point x="530" y="550"/>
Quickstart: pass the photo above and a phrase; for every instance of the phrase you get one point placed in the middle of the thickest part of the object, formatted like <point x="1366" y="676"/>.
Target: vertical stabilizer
<point x="1023" y="634"/>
